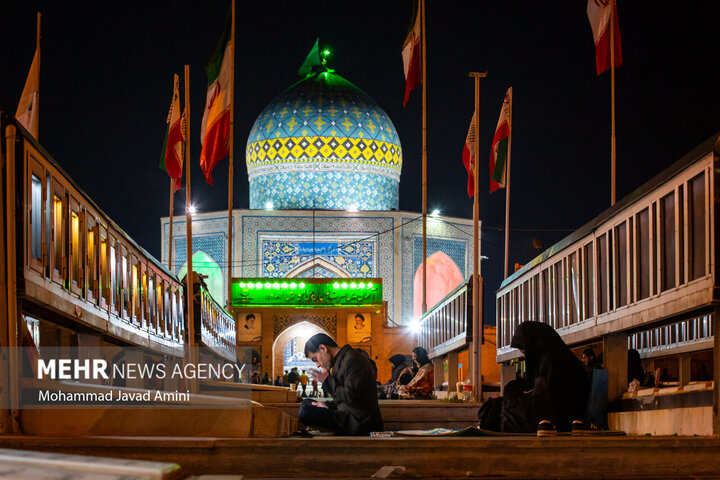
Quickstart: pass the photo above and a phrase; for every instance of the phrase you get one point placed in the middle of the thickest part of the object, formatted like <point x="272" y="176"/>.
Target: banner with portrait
<point x="358" y="327"/>
<point x="249" y="326"/>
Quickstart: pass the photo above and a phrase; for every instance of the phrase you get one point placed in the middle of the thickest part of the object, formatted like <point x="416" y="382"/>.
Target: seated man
<point x="349" y="375"/>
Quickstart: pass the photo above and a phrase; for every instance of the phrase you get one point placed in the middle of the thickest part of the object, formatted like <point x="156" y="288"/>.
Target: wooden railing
<point x="217" y="326"/>
<point x="447" y="326"/>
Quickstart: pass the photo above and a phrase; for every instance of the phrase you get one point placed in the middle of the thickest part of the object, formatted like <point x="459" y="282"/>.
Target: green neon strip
<point x="261" y="292"/>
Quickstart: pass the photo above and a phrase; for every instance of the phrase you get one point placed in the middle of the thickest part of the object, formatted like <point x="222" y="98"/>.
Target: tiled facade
<point x="300" y="243"/>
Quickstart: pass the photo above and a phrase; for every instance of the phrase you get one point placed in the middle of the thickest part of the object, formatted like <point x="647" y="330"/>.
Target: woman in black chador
<point x="556" y="379"/>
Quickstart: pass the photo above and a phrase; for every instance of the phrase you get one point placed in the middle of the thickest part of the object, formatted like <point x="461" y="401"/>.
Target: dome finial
<point x="315" y="60"/>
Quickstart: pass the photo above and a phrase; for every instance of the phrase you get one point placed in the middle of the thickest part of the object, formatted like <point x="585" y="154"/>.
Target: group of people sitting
<point x="409" y="380"/>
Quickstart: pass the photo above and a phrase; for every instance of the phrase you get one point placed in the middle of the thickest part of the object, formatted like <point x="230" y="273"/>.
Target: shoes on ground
<point x="580" y="428"/>
<point x="546" y="428"/>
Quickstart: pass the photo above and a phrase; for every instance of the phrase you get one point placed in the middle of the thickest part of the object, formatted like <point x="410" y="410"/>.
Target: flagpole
<point x="612" y="97"/>
<point x="424" y="159"/>
<point x="476" y="326"/>
<point x="170" y="236"/>
<point x="188" y="240"/>
<point x="507" y="184"/>
<point x="37" y="46"/>
<point x="230" y="150"/>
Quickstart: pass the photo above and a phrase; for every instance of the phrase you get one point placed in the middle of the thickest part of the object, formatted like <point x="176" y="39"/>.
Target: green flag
<point x="313" y="59"/>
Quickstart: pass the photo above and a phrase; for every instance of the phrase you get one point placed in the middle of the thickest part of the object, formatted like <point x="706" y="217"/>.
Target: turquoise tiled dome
<point x="324" y="143"/>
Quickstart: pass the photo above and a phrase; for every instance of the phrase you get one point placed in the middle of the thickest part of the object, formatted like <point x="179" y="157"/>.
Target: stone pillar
<point x="452" y="371"/>
<point x="507" y="374"/>
<point x="684" y="369"/>
<point x="134" y="356"/>
<point x="438" y="369"/>
<point x="716" y="365"/>
<point x="89" y="349"/>
<point x="615" y="353"/>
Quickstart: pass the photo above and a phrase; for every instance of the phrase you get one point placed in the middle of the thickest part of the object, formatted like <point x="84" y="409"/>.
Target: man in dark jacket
<point x="350" y="376"/>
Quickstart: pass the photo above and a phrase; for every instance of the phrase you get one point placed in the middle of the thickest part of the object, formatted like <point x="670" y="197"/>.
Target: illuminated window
<point x="135" y="293"/>
<point x="104" y="292"/>
<point x="113" y="277"/>
<point x="58" y="240"/>
<point x="75" y="247"/>
<point x="91" y="267"/>
<point x="35" y="219"/>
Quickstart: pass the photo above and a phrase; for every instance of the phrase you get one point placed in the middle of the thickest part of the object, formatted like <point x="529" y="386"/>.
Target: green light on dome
<point x="302" y="285"/>
<point x="326" y="52"/>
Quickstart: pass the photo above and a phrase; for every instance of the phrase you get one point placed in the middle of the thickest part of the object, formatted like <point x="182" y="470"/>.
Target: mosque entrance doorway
<point x="287" y="351"/>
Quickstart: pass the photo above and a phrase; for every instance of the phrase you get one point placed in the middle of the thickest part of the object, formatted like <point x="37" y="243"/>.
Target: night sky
<point x="106" y="83"/>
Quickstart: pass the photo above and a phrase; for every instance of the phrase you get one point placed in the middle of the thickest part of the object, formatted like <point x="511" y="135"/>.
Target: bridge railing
<point x="448" y="325"/>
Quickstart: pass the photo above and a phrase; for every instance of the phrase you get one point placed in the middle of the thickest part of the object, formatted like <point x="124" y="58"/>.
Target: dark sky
<point x="106" y="81"/>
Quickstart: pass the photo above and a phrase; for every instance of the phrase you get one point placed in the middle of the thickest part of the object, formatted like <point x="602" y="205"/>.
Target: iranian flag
<point x="28" y="109"/>
<point x="216" y="117"/>
<point x="599" y="12"/>
<point x="172" y="159"/>
<point x="499" y="150"/>
<point x="468" y="157"/>
<point x="412" y="55"/>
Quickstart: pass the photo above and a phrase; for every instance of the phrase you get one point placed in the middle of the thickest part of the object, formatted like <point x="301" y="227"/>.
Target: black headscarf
<point x="535" y="339"/>
<point x="635" y="369"/>
<point x="421" y="356"/>
<point x="399" y="363"/>
<point x="554" y="372"/>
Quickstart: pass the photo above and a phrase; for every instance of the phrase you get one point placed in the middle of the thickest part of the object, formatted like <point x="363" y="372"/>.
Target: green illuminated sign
<point x="263" y="292"/>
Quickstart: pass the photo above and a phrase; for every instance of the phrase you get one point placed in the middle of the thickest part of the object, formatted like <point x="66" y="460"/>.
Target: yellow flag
<point x="28" y="110"/>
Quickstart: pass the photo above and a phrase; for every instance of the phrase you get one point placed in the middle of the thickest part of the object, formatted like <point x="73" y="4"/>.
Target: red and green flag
<point x="171" y="159"/>
<point x="599" y="13"/>
<point x="216" y="117"/>
<point x="468" y="157"/>
<point x="499" y="150"/>
<point x="412" y="54"/>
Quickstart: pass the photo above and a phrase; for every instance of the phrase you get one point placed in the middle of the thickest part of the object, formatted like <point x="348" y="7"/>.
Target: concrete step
<point x="26" y="464"/>
<point x="455" y="457"/>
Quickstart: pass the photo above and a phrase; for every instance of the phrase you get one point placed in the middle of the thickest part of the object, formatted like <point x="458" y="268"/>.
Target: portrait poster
<point x="358" y="327"/>
<point x="249" y="327"/>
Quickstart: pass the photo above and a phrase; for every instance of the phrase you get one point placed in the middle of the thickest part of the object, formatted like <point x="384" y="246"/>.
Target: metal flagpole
<point x="192" y="354"/>
<point x="424" y="159"/>
<point x="37" y="46"/>
<point x="476" y="326"/>
<point x="170" y="236"/>
<point x="230" y="150"/>
<point x="612" y="97"/>
<point x="507" y="183"/>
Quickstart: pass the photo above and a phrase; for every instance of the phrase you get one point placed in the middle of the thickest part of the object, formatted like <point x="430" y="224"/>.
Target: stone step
<point x="26" y="464"/>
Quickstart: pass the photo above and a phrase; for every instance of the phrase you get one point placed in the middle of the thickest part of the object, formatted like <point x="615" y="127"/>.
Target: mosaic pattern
<point x="345" y="230"/>
<point x="326" y="321"/>
<point x="331" y="190"/>
<point x="328" y="129"/>
<point x="443" y="237"/>
<point x="354" y="259"/>
<point x="213" y="245"/>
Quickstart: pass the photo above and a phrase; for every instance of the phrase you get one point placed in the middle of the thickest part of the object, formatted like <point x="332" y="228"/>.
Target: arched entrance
<point x="293" y="339"/>
<point x="205" y="265"/>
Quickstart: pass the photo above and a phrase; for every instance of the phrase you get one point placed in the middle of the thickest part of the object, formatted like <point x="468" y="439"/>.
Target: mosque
<point x="324" y="163"/>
